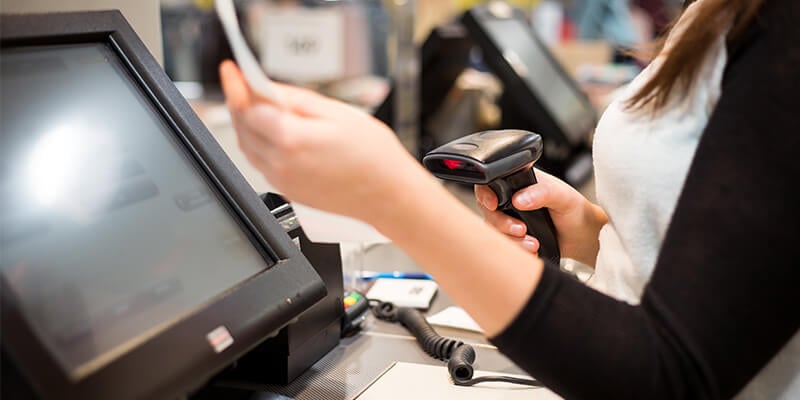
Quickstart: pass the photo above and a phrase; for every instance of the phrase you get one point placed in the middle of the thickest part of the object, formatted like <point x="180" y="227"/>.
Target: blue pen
<point x="370" y="275"/>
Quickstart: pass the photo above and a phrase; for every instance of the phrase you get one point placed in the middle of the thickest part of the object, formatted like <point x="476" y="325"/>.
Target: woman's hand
<point x="316" y="150"/>
<point x="577" y="220"/>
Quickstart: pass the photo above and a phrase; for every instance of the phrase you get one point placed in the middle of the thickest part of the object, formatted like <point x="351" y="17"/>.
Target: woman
<point x="699" y="266"/>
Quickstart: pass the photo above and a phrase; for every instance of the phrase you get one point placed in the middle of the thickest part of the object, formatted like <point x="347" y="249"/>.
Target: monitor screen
<point x="111" y="232"/>
<point x="531" y="62"/>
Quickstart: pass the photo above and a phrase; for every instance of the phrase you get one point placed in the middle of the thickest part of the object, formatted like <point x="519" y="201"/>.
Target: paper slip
<point x="455" y="317"/>
<point x="319" y="226"/>
<point x="248" y="64"/>
<point x="414" y="293"/>
<point x="420" y="381"/>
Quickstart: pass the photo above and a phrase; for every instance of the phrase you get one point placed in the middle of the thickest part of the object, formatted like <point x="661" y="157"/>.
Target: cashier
<point x="693" y="239"/>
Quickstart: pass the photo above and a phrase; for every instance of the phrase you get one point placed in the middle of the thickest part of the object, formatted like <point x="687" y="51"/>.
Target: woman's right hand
<point x="577" y="220"/>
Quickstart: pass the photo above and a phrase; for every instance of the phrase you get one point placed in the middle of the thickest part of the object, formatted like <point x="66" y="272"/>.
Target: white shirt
<point x="641" y="164"/>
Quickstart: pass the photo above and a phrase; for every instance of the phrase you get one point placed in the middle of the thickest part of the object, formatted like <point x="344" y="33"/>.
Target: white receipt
<point x="319" y="226"/>
<point x="252" y="71"/>
<point x="455" y="317"/>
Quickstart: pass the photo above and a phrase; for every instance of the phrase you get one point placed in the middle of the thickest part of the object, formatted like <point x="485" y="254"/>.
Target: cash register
<point x="135" y="261"/>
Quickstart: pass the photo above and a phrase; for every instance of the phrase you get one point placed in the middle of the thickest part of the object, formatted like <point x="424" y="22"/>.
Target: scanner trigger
<point x="503" y="190"/>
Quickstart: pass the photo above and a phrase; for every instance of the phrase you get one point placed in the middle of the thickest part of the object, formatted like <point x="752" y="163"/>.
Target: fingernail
<point x="525" y="199"/>
<point x="529" y="244"/>
<point x="484" y="199"/>
<point x="517" y="229"/>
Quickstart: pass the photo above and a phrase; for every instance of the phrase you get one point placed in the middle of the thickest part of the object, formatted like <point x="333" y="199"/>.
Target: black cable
<point x="459" y="355"/>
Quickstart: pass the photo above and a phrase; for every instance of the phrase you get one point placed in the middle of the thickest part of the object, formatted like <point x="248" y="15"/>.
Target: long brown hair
<point x="681" y="66"/>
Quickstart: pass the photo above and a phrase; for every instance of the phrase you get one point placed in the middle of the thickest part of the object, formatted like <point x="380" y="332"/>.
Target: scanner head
<point x="481" y="158"/>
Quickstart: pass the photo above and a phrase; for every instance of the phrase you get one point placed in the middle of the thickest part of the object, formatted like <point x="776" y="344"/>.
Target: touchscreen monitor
<point x="124" y="227"/>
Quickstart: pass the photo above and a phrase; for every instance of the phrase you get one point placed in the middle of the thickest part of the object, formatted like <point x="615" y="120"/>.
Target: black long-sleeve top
<point x="724" y="296"/>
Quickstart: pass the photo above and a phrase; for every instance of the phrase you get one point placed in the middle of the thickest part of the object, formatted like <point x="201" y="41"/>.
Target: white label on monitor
<point x="516" y="63"/>
<point x="303" y="45"/>
<point x="220" y="339"/>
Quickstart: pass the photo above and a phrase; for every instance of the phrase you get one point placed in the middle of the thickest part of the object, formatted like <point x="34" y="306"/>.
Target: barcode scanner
<point x="503" y="160"/>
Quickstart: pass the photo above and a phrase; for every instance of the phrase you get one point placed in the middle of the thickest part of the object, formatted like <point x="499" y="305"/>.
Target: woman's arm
<point x="723" y="298"/>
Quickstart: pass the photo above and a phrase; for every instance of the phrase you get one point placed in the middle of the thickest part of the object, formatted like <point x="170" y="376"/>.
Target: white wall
<point x="143" y="15"/>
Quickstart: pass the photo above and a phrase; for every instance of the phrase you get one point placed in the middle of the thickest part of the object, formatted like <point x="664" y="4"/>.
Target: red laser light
<point x="453" y="164"/>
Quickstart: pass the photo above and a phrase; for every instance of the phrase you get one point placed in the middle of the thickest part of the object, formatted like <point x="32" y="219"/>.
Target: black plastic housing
<point x="486" y="155"/>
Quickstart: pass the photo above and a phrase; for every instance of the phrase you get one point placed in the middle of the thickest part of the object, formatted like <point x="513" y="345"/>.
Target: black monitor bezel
<point x="179" y="359"/>
<point x="531" y="107"/>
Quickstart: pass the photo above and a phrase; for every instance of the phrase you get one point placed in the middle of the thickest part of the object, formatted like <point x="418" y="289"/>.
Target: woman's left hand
<point x="316" y="150"/>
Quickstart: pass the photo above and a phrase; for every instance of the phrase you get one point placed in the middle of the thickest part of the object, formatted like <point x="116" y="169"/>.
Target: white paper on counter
<point x="455" y="317"/>
<point x="404" y="380"/>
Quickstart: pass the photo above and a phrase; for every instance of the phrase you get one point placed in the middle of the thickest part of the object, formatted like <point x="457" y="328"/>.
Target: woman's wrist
<point x="399" y="195"/>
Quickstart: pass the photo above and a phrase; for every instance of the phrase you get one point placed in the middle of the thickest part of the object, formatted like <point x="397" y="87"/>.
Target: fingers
<point x="307" y="103"/>
<point x="285" y="130"/>
<point x="531" y="244"/>
<point x="304" y="105"/>
<point x="513" y="228"/>
<point x="252" y="146"/>
<point x="486" y="197"/>
<point x="527" y="242"/>
<point x="237" y="93"/>
<point x="503" y="222"/>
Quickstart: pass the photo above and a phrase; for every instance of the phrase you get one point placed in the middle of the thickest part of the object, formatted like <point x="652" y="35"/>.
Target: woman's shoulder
<point x="778" y="20"/>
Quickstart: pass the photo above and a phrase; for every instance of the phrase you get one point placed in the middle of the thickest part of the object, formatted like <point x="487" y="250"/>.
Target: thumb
<point x="234" y="86"/>
<point x="549" y="192"/>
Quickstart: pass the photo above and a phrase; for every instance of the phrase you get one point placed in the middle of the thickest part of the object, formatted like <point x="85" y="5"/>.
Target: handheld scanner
<point x="503" y="160"/>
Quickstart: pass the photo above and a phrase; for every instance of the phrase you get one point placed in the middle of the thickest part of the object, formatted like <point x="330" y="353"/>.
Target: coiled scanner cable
<point x="459" y="355"/>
